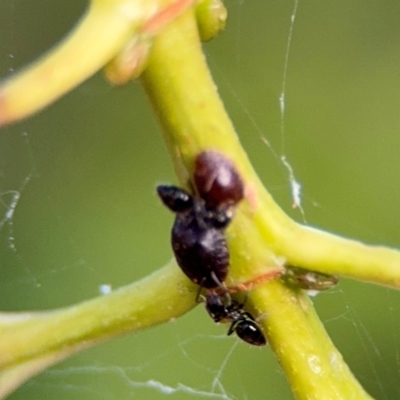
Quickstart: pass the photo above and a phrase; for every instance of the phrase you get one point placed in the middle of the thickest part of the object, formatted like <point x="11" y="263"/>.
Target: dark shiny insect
<point x="197" y="237"/>
<point x="216" y="180"/>
<point x="241" y="321"/>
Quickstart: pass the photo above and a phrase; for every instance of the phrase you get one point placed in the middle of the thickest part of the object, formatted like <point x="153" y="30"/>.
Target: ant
<point x="242" y="322"/>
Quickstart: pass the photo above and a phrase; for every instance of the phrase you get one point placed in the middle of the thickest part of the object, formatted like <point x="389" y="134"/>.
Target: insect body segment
<point x="174" y="198"/>
<point x="197" y="237"/>
<point x="241" y="321"/>
<point x="217" y="180"/>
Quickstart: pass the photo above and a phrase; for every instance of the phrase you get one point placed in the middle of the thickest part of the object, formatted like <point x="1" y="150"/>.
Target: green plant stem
<point x="314" y="367"/>
<point x="324" y="252"/>
<point x="159" y="298"/>
<point x="13" y="377"/>
<point x="261" y="238"/>
<point x="105" y="29"/>
<point x="211" y="18"/>
<point x="193" y="118"/>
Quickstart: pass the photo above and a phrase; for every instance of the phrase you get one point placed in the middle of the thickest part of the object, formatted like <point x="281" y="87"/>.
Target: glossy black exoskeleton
<point x="241" y="321"/>
<point x="197" y="238"/>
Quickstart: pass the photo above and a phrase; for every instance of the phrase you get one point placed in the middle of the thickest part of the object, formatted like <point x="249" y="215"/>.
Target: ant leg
<point x="231" y="328"/>
<point x="223" y="287"/>
<point x="200" y="298"/>
<point x="245" y="299"/>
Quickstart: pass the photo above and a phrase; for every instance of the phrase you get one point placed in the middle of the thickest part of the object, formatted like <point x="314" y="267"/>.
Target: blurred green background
<point x="85" y="170"/>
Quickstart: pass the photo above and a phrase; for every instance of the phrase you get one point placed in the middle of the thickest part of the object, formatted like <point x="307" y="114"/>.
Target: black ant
<point x="241" y="321"/>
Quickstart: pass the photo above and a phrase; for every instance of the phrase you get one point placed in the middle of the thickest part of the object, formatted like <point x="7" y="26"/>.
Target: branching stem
<point x="262" y="238"/>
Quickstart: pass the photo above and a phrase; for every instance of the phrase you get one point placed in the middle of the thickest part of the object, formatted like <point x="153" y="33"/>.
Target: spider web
<point x="312" y="90"/>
